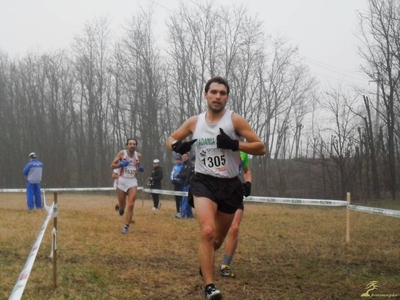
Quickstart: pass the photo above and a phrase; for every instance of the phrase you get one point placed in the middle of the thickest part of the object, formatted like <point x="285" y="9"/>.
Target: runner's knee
<point x="208" y="233"/>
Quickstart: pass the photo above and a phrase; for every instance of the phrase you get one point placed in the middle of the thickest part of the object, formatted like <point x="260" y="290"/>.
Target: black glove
<point x="247" y="188"/>
<point x="225" y="142"/>
<point x="184" y="147"/>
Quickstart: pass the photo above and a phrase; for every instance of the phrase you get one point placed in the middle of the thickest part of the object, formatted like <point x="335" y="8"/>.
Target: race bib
<point x="129" y="171"/>
<point x="215" y="161"/>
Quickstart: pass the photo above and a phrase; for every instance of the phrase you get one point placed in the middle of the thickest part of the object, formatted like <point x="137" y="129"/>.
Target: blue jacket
<point x="33" y="171"/>
<point x="175" y="170"/>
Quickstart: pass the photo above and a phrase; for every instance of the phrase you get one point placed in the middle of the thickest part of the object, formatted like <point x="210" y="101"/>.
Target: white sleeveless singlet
<point x="127" y="176"/>
<point x="210" y="160"/>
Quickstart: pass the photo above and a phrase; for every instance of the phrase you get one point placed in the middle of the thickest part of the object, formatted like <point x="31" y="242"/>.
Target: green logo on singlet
<point x="205" y="141"/>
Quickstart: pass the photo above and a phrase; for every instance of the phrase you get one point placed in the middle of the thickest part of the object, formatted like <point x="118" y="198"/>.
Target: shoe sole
<point x="229" y="276"/>
<point x="215" y="297"/>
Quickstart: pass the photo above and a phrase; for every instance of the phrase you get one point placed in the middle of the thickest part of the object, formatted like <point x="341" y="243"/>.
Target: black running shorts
<point x="226" y="192"/>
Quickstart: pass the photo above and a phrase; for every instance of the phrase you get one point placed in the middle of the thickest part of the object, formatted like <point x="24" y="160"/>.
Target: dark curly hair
<point x="219" y="80"/>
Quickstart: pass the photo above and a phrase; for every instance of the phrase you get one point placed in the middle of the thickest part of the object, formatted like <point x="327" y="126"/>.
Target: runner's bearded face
<point x="131" y="146"/>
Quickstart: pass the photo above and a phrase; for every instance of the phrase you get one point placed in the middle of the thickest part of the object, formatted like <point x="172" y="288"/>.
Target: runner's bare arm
<point x="186" y="129"/>
<point x="115" y="162"/>
<point x="253" y="144"/>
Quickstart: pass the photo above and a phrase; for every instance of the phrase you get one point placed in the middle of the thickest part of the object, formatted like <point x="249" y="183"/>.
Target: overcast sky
<point x="324" y="30"/>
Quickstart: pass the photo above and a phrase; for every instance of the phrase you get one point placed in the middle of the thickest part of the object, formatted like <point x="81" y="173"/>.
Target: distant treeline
<point x="75" y="107"/>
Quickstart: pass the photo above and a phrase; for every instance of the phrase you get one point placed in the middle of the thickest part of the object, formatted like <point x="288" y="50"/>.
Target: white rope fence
<point x="13" y="190"/>
<point x="165" y="192"/>
<point x="297" y="201"/>
<point x="22" y="280"/>
<point x="104" y="189"/>
<point x="52" y="211"/>
<point x="374" y="210"/>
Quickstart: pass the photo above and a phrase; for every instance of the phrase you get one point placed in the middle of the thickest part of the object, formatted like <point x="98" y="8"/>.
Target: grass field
<point x="285" y="252"/>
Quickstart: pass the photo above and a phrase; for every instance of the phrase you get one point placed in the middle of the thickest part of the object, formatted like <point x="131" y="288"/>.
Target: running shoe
<point x="121" y="212"/>
<point x="125" y="229"/>
<point x="225" y="271"/>
<point x="116" y="207"/>
<point x="211" y="293"/>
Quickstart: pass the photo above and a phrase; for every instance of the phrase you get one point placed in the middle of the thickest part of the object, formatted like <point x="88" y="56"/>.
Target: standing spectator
<point x="176" y="169"/>
<point x="185" y="175"/>
<point x="33" y="171"/>
<point x="232" y="239"/>
<point x="215" y="189"/>
<point x="128" y="161"/>
<point x="155" y="182"/>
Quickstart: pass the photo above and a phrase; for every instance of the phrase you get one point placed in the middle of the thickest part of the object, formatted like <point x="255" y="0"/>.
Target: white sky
<point x="324" y="30"/>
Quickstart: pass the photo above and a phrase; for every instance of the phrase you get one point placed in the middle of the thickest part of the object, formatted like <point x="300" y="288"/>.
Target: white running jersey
<point x="127" y="175"/>
<point x="130" y="170"/>
<point x="210" y="160"/>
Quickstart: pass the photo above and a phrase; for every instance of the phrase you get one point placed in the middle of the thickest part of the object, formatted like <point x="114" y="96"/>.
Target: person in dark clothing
<point x="184" y="175"/>
<point x="155" y="182"/>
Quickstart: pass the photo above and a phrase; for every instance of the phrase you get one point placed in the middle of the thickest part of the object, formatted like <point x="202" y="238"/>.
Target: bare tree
<point x="287" y="93"/>
<point x="367" y="152"/>
<point x="141" y="69"/>
<point x="58" y="96"/>
<point x="89" y="114"/>
<point x="340" y="130"/>
<point x="193" y="35"/>
<point x="11" y="141"/>
<point x="380" y="34"/>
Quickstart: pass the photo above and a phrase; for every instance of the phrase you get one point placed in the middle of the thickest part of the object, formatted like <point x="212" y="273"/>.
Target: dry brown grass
<point x="285" y="252"/>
